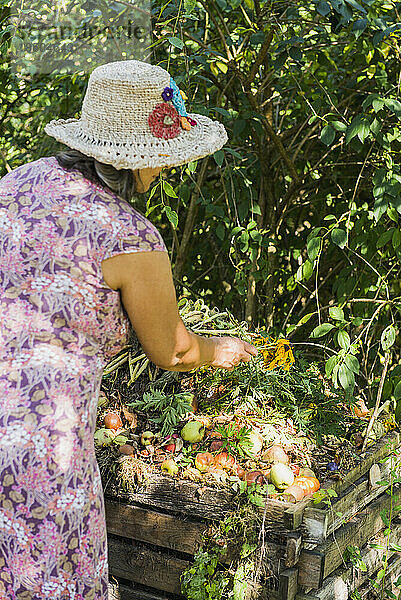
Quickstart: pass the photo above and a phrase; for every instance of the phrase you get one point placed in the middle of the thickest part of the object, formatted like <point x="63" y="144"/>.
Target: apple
<point x="240" y="472"/>
<point x="193" y="432"/>
<point x="126" y="449"/>
<point x="306" y="472"/>
<point x="254" y="477"/>
<point x="103" y="437"/>
<point x="170" y="466"/>
<point x="281" y="476"/>
<point x="147" y="438"/>
<point x="203" y="461"/>
<point x="170" y="448"/>
<point x="276" y="454"/>
<point x="293" y="493"/>
<point x="224" y="460"/>
<point x="255" y="443"/>
<point x="112" y="421"/>
<point x="216" y="445"/>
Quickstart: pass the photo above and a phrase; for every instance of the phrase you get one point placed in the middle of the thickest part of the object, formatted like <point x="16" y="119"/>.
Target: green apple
<point x="281" y="476"/>
<point x="193" y="432"/>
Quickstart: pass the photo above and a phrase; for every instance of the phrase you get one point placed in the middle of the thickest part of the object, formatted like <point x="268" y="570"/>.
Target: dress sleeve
<point x="133" y="233"/>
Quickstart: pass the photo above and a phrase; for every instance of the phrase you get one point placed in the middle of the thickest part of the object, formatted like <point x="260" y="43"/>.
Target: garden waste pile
<point x="274" y="427"/>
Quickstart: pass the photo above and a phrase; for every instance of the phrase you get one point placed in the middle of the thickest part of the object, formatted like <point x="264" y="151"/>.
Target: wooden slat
<point x="349" y="579"/>
<point x="153" y="569"/>
<point x="293" y="515"/>
<point x="288" y="585"/>
<point x="155" y="528"/>
<point x="355" y="533"/>
<point x="123" y="592"/>
<point x="165" y="493"/>
<point x="372" y="455"/>
<point x="293" y="549"/>
<point x="319" y="523"/>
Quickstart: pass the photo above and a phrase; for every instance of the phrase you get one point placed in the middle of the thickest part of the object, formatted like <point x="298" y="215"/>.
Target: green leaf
<point x="393" y="105"/>
<point x="305" y="319"/>
<point x="353" y="128"/>
<point x="343" y="339"/>
<point x="336" y="313"/>
<point x="330" y="364"/>
<point x="339" y="237"/>
<point x="352" y="363"/>
<point x="167" y="188"/>
<point x="396" y="239"/>
<point x="397" y="391"/>
<point x="339" y="126"/>
<point x="313" y="248"/>
<point x="378" y="104"/>
<point x="327" y="135"/>
<point x="174" y="41"/>
<point x="346" y="377"/>
<point x="172" y="216"/>
<point x="364" y="130"/>
<point x="380" y="207"/>
<point x="218" y="157"/>
<point x="321" y="330"/>
<point x="384" y="238"/>
<point x="304" y="271"/>
<point x="388" y="337"/>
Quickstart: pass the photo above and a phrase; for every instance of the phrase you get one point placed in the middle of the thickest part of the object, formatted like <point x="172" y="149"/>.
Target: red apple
<point x="224" y="460"/>
<point x="254" y="477"/>
<point x="203" y="461"/>
<point x="112" y="421"/>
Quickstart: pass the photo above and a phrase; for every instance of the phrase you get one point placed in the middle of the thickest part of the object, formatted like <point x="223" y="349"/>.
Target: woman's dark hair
<point x="119" y="181"/>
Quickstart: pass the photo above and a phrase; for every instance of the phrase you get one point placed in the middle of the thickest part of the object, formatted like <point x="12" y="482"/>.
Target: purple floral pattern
<point x="59" y="325"/>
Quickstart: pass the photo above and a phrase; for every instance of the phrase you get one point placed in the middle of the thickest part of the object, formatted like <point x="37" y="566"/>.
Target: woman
<point x="72" y="249"/>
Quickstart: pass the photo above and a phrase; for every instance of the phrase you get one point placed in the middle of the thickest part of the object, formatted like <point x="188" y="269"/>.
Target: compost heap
<point x="275" y="426"/>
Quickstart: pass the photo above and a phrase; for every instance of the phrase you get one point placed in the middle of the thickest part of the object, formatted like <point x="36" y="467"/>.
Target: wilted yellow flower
<point x="275" y="352"/>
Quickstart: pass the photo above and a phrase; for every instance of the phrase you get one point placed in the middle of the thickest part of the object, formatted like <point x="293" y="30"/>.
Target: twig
<point x="379" y="395"/>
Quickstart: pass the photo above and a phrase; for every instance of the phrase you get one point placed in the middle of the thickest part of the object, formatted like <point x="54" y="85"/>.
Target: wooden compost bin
<point x="154" y="533"/>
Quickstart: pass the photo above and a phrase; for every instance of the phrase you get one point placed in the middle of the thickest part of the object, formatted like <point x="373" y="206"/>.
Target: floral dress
<point x="59" y="325"/>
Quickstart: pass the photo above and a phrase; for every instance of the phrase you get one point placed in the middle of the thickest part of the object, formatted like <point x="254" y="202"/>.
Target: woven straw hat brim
<point x="204" y="138"/>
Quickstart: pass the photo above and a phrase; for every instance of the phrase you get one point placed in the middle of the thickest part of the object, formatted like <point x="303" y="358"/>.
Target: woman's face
<point x="144" y="177"/>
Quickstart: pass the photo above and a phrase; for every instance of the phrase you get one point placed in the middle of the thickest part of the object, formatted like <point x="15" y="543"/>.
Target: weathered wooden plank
<point x="293" y="549"/>
<point x="349" y="579"/>
<point x="372" y="455"/>
<point x="393" y="571"/>
<point x="165" y="493"/>
<point x="315" y="523"/>
<point x="158" y="570"/>
<point x="293" y="514"/>
<point x="310" y="569"/>
<point x="144" y="525"/>
<point x="319" y="523"/>
<point x="123" y="592"/>
<point x="288" y="585"/>
<point x="355" y="533"/>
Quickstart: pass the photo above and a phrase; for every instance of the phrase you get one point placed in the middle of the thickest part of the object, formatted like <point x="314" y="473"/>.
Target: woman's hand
<point x="230" y="351"/>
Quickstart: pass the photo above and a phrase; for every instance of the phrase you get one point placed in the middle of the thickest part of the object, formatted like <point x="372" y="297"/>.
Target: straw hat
<point x="133" y="116"/>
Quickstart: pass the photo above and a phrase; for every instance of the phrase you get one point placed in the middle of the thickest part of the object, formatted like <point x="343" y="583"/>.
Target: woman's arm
<point x="148" y="295"/>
